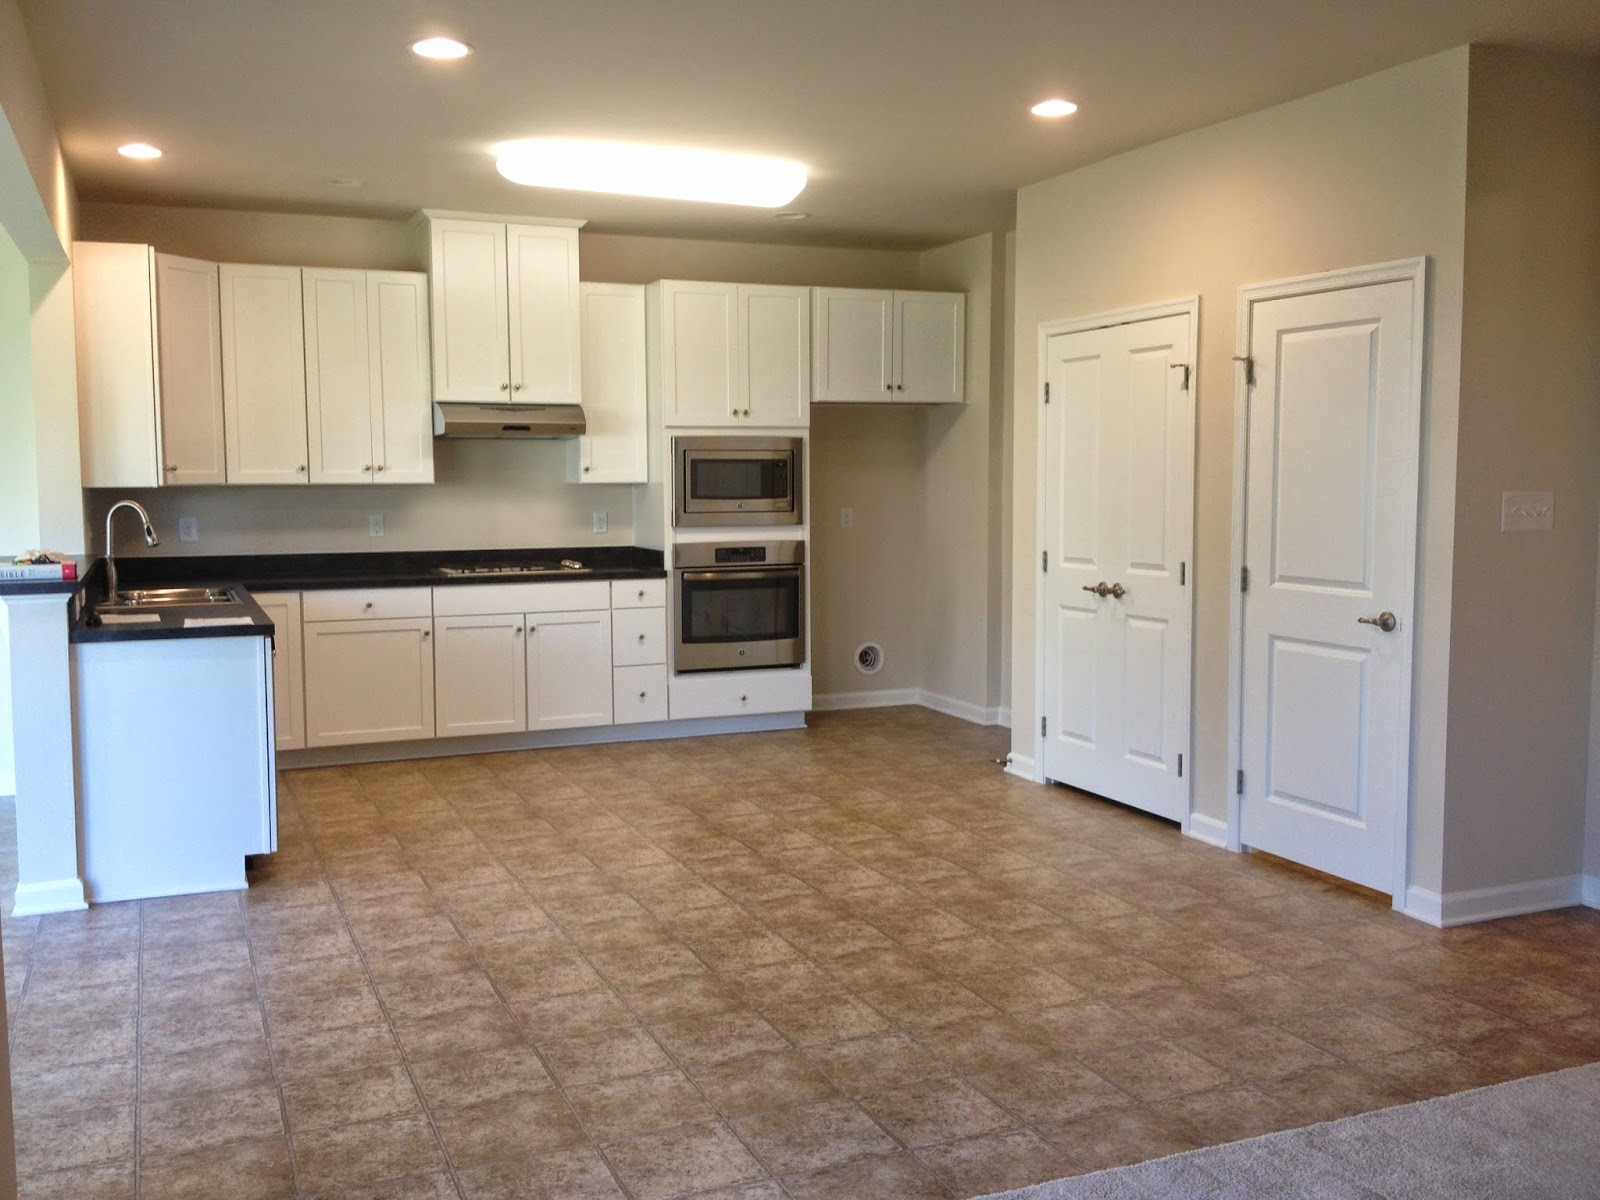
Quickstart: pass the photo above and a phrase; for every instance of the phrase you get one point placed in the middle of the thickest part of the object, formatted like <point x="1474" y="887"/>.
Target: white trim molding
<point x="50" y="896"/>
<point x="1213" y="831"/>
<point x="1591" y="891"/>
<point x="1487" y="904"/>
<point x="921" y="697"/>
<point x="1024" y="767"/>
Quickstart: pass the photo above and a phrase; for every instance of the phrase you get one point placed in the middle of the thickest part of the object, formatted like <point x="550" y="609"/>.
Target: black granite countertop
<point x="243" y="619"/>
<point x="47" y="587"/>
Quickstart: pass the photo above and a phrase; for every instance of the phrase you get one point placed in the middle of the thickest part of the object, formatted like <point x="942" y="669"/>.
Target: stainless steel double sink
<point x="144" y="599"/>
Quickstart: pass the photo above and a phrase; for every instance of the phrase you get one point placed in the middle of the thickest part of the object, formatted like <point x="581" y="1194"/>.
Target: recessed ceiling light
<point x="440" y="47"/>
<point x="792" y="216"/>
<point x="138" y="150"/>
<point x="1054" y="108"/>
<point x="666" y="172"/>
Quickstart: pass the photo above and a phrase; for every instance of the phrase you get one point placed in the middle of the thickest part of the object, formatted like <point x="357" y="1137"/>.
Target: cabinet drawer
<point x="734" y="693"/>
<point x="359" y="604"/>
<point x="638" y="636"/>
<point x="640" y="694"/>
<point x="480" y="599"/>
<point x="638" y="593"/>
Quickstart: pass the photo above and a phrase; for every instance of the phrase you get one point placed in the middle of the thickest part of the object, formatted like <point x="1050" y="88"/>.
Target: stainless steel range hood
<point x="508" y="420"/>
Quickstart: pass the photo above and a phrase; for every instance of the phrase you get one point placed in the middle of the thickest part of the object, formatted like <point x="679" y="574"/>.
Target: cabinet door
<point x="699" y="353"/>
<point x="189" y="358"/>
<point x="542" y="278"/>
<point x="615" y="448"/>
<point x="288" y="681"/>
<point x="569" y="669"/>
<point x="471" y="362"/>
<point x="263" y="374"/>
<point x="774" y="355"/>
<point x="480" y="675"/>
<point x="368" y="681"/>
<point x="338" y="378"/>
<point x="112" y="313"/>
<point x="930" y="347"/>
<point x="853" y="345"/>
<point x="402" y="405"/>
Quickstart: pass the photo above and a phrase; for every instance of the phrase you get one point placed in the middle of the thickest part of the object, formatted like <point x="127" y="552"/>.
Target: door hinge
<point x="1244" y="579"/>
<point x="1044" y="726"/>
<point x="1180" y="766"/>
<point x="1044" y="561"/>
<point x="1238" y="782"/>
<point x="1047" y="393"/>
<point x="1249" y="368"/>
<point x="1183" y="574"/>
<point x="1184" y="367"/>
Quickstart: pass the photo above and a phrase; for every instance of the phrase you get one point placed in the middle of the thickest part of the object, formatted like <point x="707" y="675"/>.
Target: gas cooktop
<point x="567" y="566"/>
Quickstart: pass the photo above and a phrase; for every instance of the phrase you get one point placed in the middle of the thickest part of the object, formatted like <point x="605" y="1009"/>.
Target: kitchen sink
<point x="168" y="598"/>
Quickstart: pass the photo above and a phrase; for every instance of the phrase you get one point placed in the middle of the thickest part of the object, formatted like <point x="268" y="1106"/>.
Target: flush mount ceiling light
<point x="1054" y="108"/>
<point x="793" y="216"/>
<point x="665" y="172"/>
<point x="440" y="47"/>
<point x="138" y="150"/>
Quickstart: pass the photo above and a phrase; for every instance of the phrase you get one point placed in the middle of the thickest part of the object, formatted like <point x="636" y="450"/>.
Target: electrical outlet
<point x="600" y="522"/>
<point x="1527" y="512"/>
<point x="375" y="525"/>
<point x="847" y="518"/>
<point x="188" y="529"/>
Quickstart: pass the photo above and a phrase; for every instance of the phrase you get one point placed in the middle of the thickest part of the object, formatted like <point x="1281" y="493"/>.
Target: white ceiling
<point x="911" y="114"/>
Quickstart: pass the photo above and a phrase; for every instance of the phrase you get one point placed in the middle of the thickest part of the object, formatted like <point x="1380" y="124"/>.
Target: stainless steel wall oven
<point x="736" y="480"/>
<point x="739" y="606"/>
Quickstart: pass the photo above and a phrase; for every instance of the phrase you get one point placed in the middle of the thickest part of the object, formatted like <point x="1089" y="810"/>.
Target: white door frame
<point x="1414" y="271"/>
<point x="1188" y="306"/>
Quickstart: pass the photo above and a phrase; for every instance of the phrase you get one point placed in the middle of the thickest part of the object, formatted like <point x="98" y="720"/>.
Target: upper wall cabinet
<point x="732" y="355"/>
<point x="877" y="347"/>
<point x="615" y="449"/>
<point x="505" y="312"/>
<point x="263" y="374"/>
<point x="149" y="367"/>
<point x="367" y="386"/>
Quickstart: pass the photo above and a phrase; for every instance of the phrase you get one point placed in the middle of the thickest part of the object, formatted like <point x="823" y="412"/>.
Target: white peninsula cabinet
<point x="149" y="367"/>
<point x="731" y="355"/>
<point x="263" y="374"/>
<point x="368" y="665"/>
<point x="367" y="383"/>
<point x="288" y="668"/>
<point x="615" y="448"/>
<point x="880" y="347"/>
<point x="505" y="311"/>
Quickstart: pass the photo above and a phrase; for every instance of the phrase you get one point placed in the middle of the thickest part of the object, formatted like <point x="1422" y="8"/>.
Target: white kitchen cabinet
<point x="505" y="312"/>
<point x="615" y="448"/>
<point x="288" y="668"/>
<point x="367" y="387"/>
<point x="739" y="693"/>
<point x="569" y="669"/>
<point x="733" y="355"/>
<point x="480" y="675"/>
<point x="149" y="367"/>
<point x="638" y="637"/>
<point x="369" y="680"/>
<point x="640" y="694"/>
<point x="263" y="374"/>
<point x="882" y="347"/>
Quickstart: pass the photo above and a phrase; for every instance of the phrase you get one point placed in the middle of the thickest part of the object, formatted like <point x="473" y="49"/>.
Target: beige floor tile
<point x="73" y="1087"/>
<point x="258" y="1169"/>
<point x="199" y="1122"/>
<point x="50" y="1141"/>
<point x="718" y="1037"/>
<point x="881" y="1177"/>
<point x="824" y="1020"/>
<point x="1117" y="1136"/>
<point x="436" y="1185"/>
<point x="627" y="1108"/>
<point x="808" y="1137"/>
<point x="477" y="1078"/>
<point x="877" y="1063"/>
<point x="996" y="1162"/>
<point x="103" y="1181"/>
<point x="614" y="1054"/>
<point x="366" y="1095"/>
<point x="465" y="1031"/>
<point x="1052" y="1091"/>
<point x="365" y="1153"/>
<point x="334" y="1051"/>
<point x="756" y="1082"/>
<point x="557" y="1018"/>
<point x="576" y="1174"/>
<point x="936" y="1110"/>
<point x="521" y="1124"/>
<point x="691" y="1157"/>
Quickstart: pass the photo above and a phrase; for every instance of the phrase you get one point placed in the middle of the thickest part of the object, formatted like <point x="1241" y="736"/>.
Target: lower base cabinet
<point x="288" y="665"/>
<point x="569" y="669"/>
<point x="369" y="680"/>
<point x="639" y="694"/>
<point x="480" y="675"/>
<point x="739" y="693"/>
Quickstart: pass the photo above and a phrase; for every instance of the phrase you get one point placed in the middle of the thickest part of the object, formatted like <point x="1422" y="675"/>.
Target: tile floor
<point x="853" y="961"/>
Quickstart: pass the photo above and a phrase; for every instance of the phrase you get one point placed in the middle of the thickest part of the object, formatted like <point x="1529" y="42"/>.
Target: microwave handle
<point x="714" y="576"/>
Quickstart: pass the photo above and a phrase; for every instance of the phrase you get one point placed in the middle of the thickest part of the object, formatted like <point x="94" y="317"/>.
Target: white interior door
<point x="1330" y="522"/>
<point x="1118" y="527"/>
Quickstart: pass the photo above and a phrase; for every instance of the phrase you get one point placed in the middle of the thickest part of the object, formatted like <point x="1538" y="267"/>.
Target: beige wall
<point x="31" y="167"/>
<point x="1367" y="172"/>
<point x="1591" y="855"/>
<point x="1522" y="628"/>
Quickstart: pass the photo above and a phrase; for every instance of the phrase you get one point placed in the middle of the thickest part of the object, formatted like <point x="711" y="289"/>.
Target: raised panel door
<point x="480" y="675"/>
<point x="930" y="347"/>
<point x="471" y="343"/>
<point x="401" y="411"/>
<point x="774" y="340"/>
<point x="189" y="358"/>
<point x="263" y="374"/>
<point x="853" y="345"/>
<point x="569" y="669"/>
<point x="369" y="681"/>
<point x="338" y="376"/>
<point x="542" y="282"/>
<point x="699" y="353"/>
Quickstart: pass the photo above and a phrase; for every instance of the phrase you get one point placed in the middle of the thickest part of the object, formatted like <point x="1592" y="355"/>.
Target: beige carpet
<point x="1530" y="1139"/>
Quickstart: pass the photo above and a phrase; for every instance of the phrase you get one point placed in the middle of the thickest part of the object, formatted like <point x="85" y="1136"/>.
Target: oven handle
<point x="739" y="572"/>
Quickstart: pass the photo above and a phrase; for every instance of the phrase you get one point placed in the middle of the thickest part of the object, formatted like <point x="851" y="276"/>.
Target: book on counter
<point x="38" y="566"/>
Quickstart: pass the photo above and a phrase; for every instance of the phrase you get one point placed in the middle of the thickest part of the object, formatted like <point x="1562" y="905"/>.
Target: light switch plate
<point x="1527" y="512"/>
<point x="188" y="529"/>
<point x="601" y="520"/>
<point x="847" y="518"/>
<point x="375" y="525"/>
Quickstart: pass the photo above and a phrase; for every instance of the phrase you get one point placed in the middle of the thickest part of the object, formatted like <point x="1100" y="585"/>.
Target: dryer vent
<point x="869" y="658"/>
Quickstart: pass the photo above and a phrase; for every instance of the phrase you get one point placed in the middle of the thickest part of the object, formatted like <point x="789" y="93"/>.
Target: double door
<point x="1118" y="483"/>
<point x="733" y="355"/>
<point x="877" y="347"/>
<point x="510" y="672"/>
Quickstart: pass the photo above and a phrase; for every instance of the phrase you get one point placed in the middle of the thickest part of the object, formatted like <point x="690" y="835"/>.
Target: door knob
<point x="1099" y="589"/>
<point x="1385" y="621"/>
<point x="1117" y="590"/>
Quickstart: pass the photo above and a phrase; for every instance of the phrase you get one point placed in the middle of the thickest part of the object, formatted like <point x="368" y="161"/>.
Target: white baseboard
<point x="1591" y="890"/>
<point x="1023" y="766"/>
<point x="52" y="896"/>
<point x="1487" y="904"/>
<point x="1206" y="829"/>
<point x="894" y="698"/>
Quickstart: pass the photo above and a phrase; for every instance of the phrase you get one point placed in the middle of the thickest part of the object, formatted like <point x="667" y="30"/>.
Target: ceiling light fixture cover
<point x="138" y="150"/>
<point x="1054" y="108"/>
<point x="440" y="47"/>
<point x="665" y="172"/>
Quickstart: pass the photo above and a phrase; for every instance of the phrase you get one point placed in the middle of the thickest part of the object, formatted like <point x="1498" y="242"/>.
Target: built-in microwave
<point x="736" y="480"/>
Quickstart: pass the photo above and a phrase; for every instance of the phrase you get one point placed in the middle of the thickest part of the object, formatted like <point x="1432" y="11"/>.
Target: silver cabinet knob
<point x="505" y="387"/>
<point x="516" y="387"/>
<point x="641" y="593"/>
<point x="1386" y="621"/>
<point x="368" y="604"/>
<point x="641" y="695"/>
<point x="744" y="699"/>
<point x="379" y="467"/>
<point x="368" y="467"/>
<point x="301" y="467"/>
<point x="641" y="639"/>
<point x="517" y="631"/>
<point x="586" y="470"/>
<point x="427" y="633"/>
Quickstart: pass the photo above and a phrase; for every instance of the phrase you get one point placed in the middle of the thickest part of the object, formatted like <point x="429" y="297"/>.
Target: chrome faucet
<point x="150" y="539"/>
